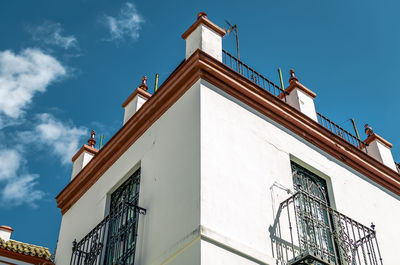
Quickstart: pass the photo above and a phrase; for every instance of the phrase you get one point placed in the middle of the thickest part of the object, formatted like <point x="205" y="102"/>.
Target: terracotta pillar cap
<point x="294" y="83"/>
<point x="6" y="228"/>
<point x="203" y="19"/>
<point x="372" y="137"/>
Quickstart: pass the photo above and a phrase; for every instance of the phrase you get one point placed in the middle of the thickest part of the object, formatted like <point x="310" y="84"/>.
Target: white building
<point x="231" y="171"/>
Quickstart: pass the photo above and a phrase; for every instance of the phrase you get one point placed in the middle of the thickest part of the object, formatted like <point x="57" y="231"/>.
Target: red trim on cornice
<point x="86" y="148"/>
<point x="138" y="91"/>
<point x="379" y="138"/>
<point x="201" y="65"/>
<point x="6" y="228"/>
<point x="205" y="21"/>
<point x="22" y="257"/>
<point x="296" y="84"/>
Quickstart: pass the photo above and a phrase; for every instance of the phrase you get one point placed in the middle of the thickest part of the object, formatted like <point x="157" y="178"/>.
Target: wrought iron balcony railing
<point x="307" y="231"/>
<point x="112" y="241"/>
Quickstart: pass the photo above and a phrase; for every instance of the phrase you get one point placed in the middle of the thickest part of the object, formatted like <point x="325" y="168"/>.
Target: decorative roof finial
<point x="143" y="85"/>
<point x="372" y="226"/>
<point x="292" y="76"/>
<point x="92" y="142"/>
<point x="201" y="14"/>
<point x="368" y="130"/>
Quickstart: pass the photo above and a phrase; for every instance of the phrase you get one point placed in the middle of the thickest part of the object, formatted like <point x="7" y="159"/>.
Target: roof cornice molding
<point x="201" y="65"/>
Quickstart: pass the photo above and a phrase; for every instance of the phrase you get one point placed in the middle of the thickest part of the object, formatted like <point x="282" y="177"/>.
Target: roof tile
<point x="26" y="249"/>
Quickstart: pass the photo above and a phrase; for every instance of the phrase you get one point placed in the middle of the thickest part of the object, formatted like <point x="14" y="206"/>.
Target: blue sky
<point x="67" y="66"/>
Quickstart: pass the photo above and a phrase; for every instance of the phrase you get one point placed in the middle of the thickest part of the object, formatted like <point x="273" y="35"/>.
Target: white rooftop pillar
<point x="204" y="35"/>
<point x="379" y="148"/>
<point x="5" y="232"/>
<point x="133" y="103"/>
<point x="300" y="97"/>
<point x="83" y="156"/>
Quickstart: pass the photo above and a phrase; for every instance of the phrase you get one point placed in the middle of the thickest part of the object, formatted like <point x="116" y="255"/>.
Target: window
<point x="113" y="240"/>
<point x="312" y="216"/>
<point x="122" y="231"/>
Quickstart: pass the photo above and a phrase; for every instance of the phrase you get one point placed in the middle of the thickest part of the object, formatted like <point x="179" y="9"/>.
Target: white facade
<point x="213" y="173"/>
<point x="81" y="161"/>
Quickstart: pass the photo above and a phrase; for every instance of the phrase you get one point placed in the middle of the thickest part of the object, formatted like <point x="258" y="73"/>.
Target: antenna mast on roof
<point x="235" y="29"/>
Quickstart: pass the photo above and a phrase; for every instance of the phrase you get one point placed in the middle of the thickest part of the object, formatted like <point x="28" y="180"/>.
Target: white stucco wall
<point x="382" y="153"/>
<point x="302" y="102"/>
<point x="5" y="235"/>
<point x="81" y="162"/>
<point x="133" y="106"/>
<point x="211" y="172"/>
<point x="169" y="156"/>
<point x="244" y="153"/>
<point x="205" y="39"/>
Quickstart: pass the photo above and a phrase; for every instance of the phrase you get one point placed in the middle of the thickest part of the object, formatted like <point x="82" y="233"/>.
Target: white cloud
<point x="62" y="139"/>
<point x="51" y="33"/>
<point x="22" y="76"/>
<point x="10" y="163"/>
<point x="126" y="23"/>
<point x="17" y="189"/>
<point x="20" y="190"/>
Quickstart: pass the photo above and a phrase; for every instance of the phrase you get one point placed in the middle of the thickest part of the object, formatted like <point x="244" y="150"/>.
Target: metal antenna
<point x="235" y="29"/>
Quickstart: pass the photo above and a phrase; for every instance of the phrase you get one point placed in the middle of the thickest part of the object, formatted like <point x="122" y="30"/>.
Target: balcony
<point x="112" y="241"/>
<point x="307" y="231"/>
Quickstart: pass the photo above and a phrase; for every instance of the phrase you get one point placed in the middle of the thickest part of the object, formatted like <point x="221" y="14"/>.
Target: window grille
<point x="113" y="240"/>
<point x="307" y="230"/>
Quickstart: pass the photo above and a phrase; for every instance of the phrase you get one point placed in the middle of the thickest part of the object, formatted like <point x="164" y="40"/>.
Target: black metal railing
<point x="248" y="72"/>
<point x="112" y="241"/>
<point x="307" y="230"/>
<point x="342" y="133"/>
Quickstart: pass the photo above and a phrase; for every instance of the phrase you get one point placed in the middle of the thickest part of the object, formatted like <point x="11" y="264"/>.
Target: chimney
<point x="379" y="148"/>
<point x="5" y="232"/>
<point x="301" y="97"/>
<point x="84" y="155"/>
<point x="136" y="100"/>
<point x="204" y="35"/>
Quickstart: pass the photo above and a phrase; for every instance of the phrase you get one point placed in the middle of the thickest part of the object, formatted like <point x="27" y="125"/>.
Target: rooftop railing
<point x="251" y="74"/>
<point x="339" y="131"/>
<point x="248" y="72"/>
<point x="308" y="231"/>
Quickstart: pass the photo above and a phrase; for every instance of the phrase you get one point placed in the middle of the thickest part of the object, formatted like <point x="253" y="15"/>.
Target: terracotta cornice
<point x="379" y="138"/>
<point x="86" y="148"/>
<point x="296" y="84"/>
<point x="22" y="257"/>
<point x="201" y="65"/>
<point x="205" y="21"/>
<point x="138" y="91"/>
